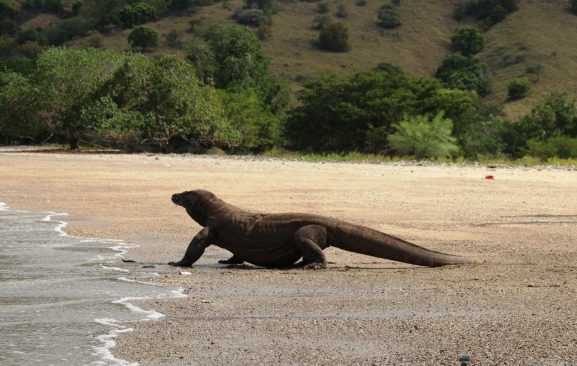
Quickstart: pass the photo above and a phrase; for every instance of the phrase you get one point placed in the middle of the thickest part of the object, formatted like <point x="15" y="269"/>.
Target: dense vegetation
<point x="222" y="93"/>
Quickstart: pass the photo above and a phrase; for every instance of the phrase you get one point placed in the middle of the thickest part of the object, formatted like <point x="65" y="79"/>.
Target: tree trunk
<point x="74" y="137"/>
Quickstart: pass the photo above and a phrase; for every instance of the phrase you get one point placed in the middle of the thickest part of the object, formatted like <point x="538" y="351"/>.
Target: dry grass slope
<point x="540" y="33"/>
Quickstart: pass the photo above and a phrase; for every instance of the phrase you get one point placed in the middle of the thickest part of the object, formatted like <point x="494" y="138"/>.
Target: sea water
<point x="62" y="298"/>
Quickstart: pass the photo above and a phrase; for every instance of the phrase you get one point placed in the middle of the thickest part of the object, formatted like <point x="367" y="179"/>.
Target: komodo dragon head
<point x="191" y="198"/>
<point x="196" y="203"/>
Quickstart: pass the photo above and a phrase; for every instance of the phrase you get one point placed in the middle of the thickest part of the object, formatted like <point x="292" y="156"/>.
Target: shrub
<point x="486" y="138"/>
<point x="193" y="24"/>
<point x="30" y="49"/>
<point x="335" y="38"/>
<point x="323" y="7"/>
<point x="43" y="6"/>
<point x="179" y="5"/>
<point x="468" y="41"/>
<point x="67" y="29"/>
<point x="7" y="10"/>
<point x="573" y="6"/>
<point x="30" y="35"/>
<point x="518" y="88"/>
<point x="8" y="26"/>
<point x="535" y="69"/>
<point x="254" y="17"/>
<point x="553" y="117"/>
<point x="321" y="21"/>
<point x="459" y="12"/>
<point x="424" y="138"/>
<point x="173" y="39"/>
<point x="267" y="6"/>
<point x="389" y="17"/>
<point x="563" y="147"/>
<point x="136" y="14"/>
<point x="487" y="12"/>
<point x="143" y="37"/>
<point x="264" y="31"/>
<point x="342" y="11"/>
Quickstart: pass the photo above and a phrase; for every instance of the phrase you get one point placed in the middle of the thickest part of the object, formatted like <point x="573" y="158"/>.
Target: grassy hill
<point x="540" y="33"/>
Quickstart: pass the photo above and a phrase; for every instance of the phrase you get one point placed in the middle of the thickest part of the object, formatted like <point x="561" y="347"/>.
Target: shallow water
<point x="63" y="298"/>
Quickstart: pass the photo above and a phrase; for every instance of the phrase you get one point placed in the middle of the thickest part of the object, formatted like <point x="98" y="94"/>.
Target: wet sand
<point x="516" y="307"/>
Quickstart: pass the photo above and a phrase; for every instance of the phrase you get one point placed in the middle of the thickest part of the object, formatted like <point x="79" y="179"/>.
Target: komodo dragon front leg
<point x="195" y="249"/>
<point x="310" y="241"/>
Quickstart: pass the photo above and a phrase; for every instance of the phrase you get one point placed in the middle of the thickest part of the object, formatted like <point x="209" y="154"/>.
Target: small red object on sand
<point x="489" y="177"/>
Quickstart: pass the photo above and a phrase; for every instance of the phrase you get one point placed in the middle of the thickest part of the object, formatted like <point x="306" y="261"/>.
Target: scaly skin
<point x="280" y="240"/>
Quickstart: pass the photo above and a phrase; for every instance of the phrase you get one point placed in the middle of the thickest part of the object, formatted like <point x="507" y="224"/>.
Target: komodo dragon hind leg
<point x="232" y="260"/>
<point x="310" y="241"/>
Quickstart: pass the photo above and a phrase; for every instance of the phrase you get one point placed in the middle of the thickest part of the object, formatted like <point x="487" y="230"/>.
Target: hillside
<point x="539" y="33"/>
<point x="419" y="45"/>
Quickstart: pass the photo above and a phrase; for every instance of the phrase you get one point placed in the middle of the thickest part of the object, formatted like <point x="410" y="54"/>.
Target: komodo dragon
<point x="280" y="240"/>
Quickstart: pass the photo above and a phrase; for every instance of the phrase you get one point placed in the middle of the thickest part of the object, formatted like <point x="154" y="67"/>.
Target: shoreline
<point x="516" y="307"/>
<point x="66" y="292"/>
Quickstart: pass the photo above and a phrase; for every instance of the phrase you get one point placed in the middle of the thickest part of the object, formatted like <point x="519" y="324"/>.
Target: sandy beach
<point x="515" y="307"/>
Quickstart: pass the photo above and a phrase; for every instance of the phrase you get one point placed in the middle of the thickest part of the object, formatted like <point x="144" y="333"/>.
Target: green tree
<point x="334" y="37"/>
<point x="486" y="133"/>
<point x="487" y="12"/>
<point x="236" y="54"/>
<point x="164" y="100"/>
<point x="7" y="11"/>
<point x="136" y="14"/>
<point x="468" y="41"/>
<point x="144" y="38"/>
<point x="357" y="112"/>
<point x="232" y="56"/>
<point x="421" y="137"/>
<point x="518" y="88"/>
<point x="464" y="73"/>
<point x="259" y="128"/>
<point x="554" y="116"/>
<point x="201" y="56"/>
<point x="17" y="98"/>
<point x="563" y="147"/>
<point x="66" y="80"/>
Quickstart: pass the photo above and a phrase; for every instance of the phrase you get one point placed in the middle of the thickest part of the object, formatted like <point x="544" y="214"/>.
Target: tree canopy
<point x="73" y="91"/>
<point x="358" y="112"/>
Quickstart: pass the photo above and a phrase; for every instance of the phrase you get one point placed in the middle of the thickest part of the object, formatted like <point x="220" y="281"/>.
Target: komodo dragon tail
<point x="371" y="242"/>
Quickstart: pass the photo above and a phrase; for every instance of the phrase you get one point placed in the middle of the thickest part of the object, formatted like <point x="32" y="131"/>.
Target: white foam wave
<point x="108" y="341"/>
<point x="60" y="224"/>
<point x="117" y="269"/>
